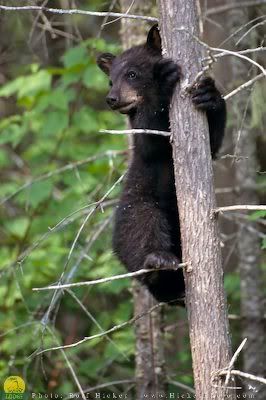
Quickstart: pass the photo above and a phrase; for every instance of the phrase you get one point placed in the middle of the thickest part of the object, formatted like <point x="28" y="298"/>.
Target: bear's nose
<point x="111" y="100"/>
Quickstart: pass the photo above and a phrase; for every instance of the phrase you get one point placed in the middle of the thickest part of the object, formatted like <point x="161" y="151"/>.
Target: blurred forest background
<point x="60" y="181"/>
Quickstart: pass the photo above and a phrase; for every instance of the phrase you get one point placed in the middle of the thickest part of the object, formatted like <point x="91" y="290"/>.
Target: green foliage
<point x="256" y="215"/>
<point x="56" y="122"/>
<point x="258" y="105"/>
<point x="232" y="286"/>
<point x="58" y="111"/>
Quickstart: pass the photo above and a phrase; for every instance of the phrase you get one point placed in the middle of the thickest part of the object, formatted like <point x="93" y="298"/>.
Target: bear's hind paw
<point x="161" y="260"/>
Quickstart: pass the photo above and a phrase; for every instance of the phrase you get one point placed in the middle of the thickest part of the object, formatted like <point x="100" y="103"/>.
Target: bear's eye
<point x="131" y="75"/>
<point x="110" y="83"/>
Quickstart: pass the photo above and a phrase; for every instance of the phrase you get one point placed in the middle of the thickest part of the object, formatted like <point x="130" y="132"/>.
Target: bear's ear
<point x="104" y="61"/>
<point x="154" y="38"/>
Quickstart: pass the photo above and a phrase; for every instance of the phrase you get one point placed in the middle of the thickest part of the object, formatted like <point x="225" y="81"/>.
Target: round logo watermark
<point x="14" y="387"/>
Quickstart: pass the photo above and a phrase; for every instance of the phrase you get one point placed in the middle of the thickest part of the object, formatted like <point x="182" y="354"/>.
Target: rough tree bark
<point x="150" y="364"/>
<point x="248" y="243"/>
<point x="205" y="297"/>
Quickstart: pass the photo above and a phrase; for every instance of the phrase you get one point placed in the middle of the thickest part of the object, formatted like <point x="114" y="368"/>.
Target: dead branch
<point x="244" y="375"/>
<point x="228" y="7"/>
<point x="60" y="225"/>
<point x="236" y="54"/>
<point x="244" y="86"/>
<point x="135" y="131"/>
<point x="73" y="373"/>
<point x="240" y="207"/>
<point x="73" y="270"/>
<point x="246" y="51"/>
<point x="77" y="11"/>
<point x="211" y="49"/>
<point x="111" y="330"/>
<point x="229" y="371"/>
<point x="108" y="279"/>
<point x="233" y="360"/>
<point x="72" y="294"/>
<point x="97" y="205"/>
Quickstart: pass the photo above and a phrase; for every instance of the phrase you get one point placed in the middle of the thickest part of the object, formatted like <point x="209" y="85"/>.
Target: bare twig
<point x="228" y="7"/>
<point x="211" y="49"/>
<point x="117" y="19"/>
<point x="97" y="205"/>
<point x="236" y="54"/>
<point x="73" y="373"/>
<point x="240" y="207"/>
<point x="69" y="219"/>
<point x="105" y="280"/>
<point x="233" y="360"/>
<point x="111" y="330"/>
<point x="67" y="167"/>
<point x="16" y="328"/>
<point x="112" y="5"/>
<point x="241" y="28"/>
<point x="77" y="11"/>
<point x="54" y="32"/>
<point x="250" y="30"/>
<point x="73" y="270"/>
<point x="233" y="156"/>
<point x="244" y="375"/>
<point x="135" y="131"/>
<point x="246" y="51"/>
<point x="244" y="86"/>
<point x="72" y="294"/>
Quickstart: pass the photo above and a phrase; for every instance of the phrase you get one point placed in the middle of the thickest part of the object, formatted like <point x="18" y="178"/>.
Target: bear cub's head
<point x="131" y="74"/>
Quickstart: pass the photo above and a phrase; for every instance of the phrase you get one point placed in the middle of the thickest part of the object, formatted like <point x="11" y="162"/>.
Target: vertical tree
<point x="248" y="241"/>
<point x="150" y="372"/>
<point x="205" y="298"/>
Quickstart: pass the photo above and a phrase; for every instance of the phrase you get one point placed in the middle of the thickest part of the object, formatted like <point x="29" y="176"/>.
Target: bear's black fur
<point x="146" y="232"/>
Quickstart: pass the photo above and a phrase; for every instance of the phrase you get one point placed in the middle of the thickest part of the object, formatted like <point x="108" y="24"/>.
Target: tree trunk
<point x="248" y="244"/>
<point x="205" y="297"/>
<point x="150" y="364"/>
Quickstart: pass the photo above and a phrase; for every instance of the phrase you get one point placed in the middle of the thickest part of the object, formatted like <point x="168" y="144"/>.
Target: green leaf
<point x="18" y="227"/>
<point x="232" y="285"/>
<point x="75" y="56"/>
<point x="58" y="98"/>
<point x="4" y="159"/>
<point x="12" y="87"/>
<point x="258" y="105"/>
<point x="39" y="192"/>
<point x="101" y="46"/>
<point x="85" y="120"/>
<point x="13" y="134"/>
<point x="33" y="84"/>
<point x="55" y="122"/>
<point x="94" y="79"/>
<point x="256" y="215"/>
<point x="90" y="367"/>
<point x="27" y="85"/>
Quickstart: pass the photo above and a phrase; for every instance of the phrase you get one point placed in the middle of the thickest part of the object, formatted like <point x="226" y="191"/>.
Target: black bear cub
<point x="146" y="232"/>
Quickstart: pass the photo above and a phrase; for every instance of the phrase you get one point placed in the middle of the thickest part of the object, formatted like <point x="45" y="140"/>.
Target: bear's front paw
<point x="167" y="72"/>
<point x="206" y="96"/>
<point x="161" y="260"/>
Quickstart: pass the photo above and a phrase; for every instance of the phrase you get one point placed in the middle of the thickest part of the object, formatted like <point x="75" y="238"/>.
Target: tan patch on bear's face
<point x="129" y="98"/>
